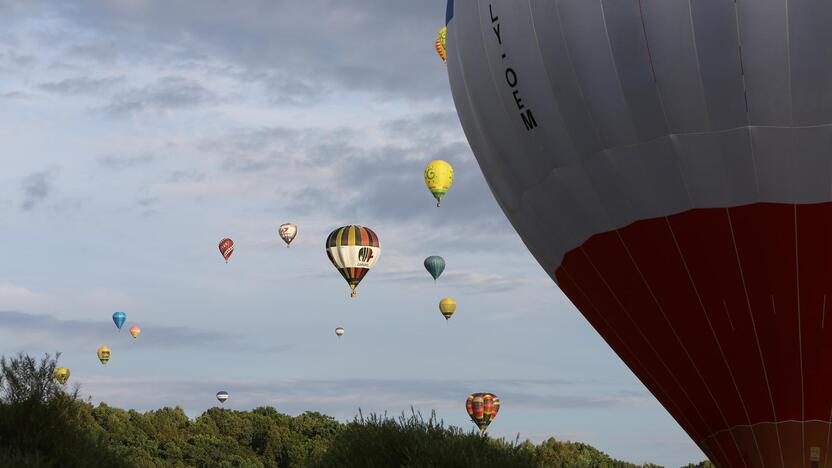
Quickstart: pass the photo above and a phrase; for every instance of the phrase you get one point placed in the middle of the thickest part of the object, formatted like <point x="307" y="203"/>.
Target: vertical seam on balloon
<point x="756" y="337"/>
<point x="799" y="337"/>
<point x="643" y="336"/>
<point x="617" y="76"/>
<point x="673" y="329"/>
<point x="773" y="305"/>
<point x="728" y="314"/>
<point x="699" y="67"/>
<point x="823" y="313"/>
<point x="742" y="65"/>
<point x="587" y="107"/>
<point x="653" y="68"/>
<point x="656" y="382"/>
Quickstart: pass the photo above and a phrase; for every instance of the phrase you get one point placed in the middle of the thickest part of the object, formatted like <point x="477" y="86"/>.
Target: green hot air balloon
<point x="435" y="265"/>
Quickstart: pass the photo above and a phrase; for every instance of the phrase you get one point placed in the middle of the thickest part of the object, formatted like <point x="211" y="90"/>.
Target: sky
<point x="134" y="135"/>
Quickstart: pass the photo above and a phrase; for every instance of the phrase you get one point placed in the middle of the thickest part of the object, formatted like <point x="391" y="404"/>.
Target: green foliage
<point x="44" y="425"/>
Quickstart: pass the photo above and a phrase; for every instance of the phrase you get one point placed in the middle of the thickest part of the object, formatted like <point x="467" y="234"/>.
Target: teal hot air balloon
<point x="435" y="265"/>
<point x="119" y="318"/>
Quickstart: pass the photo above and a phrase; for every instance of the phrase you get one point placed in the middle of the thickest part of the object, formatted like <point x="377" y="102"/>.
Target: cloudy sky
<point x="135" y="135"/>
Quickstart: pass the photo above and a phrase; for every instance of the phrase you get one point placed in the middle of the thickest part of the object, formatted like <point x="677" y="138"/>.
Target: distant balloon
<point x="435" y="265"/>
<point x="104" y="354"/>
<point x="287" y="232"/>
<point x="119" y="318"/>
<point x="440" y="43"/>
<point x="482" y="408"/>
<point x="226" y="248"/>
<point x="222" y="396"/>
<point x="135" y="331"/>
<point x="447" y="306"/>
<point x="339" y="331"/>
<point x="439" y="176"/>
<point x="61" y="375"/>
<point x="353" y="250"/>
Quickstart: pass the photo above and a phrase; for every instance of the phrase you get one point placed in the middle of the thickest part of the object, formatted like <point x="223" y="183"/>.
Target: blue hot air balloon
<point x="119" y="318"/>
<point x="435" y="265"/>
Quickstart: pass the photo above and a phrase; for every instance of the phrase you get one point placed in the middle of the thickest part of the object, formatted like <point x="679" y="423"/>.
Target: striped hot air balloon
<point x="482" y="408"/>
<point x="226" y="248"/>
<point x="222" y="396"/>
<point x="353" y="250"/>
<point x="435" y="265"/>
<point x="440" y="44"/>
<point x="447" y="306"/>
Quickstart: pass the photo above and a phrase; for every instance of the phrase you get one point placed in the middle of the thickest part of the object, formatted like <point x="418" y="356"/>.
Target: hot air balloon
<point x="287" y="232"/>
<point x="61" y="375"/>
<point x="482" y="408"/>
<point x="447" y="306"/>
<point x="439" y="176"/>
<point x="104" y="354"/>
<point x="668" y="164"/>
<point x="226" y="248"/>
<point x="435" y="265"/>
<point x="119" y="318"/>
<point x="353" y="250"/>
<point x="339" y="331"/>
<point x="440" y="43"/>
<point x="222" y="396"/>
<point x="135" y="331"/>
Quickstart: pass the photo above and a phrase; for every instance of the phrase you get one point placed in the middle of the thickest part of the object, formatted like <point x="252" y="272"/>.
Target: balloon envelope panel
<point x="677" y="188"/>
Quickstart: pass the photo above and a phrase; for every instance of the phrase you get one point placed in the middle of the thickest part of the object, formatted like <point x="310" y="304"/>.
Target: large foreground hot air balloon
<point x="353" y="250"/>
<point x="61" y="375"/>
<point x="287" y="232"/>
<point x="482" y="408"/>
<point x="118" y="319"/>
<point x="669" y="164"/>
<point x="226" y="248"/>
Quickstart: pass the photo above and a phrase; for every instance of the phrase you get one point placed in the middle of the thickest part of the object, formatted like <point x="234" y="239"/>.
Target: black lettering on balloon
<point x="511" y="76"/>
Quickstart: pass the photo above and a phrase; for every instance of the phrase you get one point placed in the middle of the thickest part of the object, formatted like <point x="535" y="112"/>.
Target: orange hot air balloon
<point x="226" y="248"/>
<point x="135" y="331"/>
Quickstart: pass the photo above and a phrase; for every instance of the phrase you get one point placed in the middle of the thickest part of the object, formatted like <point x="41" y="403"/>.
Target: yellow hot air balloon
<point x="104" y="354"/>
<point x="439" y="176"/>
<point x="440" y="43"/>
<point x="447" y="306"/>
<point x="61" y="375"/>
<point x="135" y="331"/>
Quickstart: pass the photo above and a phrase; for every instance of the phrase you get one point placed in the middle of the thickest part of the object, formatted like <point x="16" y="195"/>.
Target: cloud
<point x="127" y="162"/>
<point x="30" y="331"/>
<point x="80" y="85"/>
<point x="167" y="93"/>
<point x="36" y="187"/>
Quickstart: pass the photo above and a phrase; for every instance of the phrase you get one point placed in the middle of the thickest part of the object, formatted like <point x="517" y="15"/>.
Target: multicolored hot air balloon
<point x="287" y="232"/>
<point x="440" y="43"/>
<point x="353" y="250"/>
<point x="669" y="164"/>
<point x="135" y="331"/>
<point x="435" y="265"/>
<point x="226" y="248"/>
<point x="61" y="375"/>
<point x="104" y="354"/>
<point x="119" y="318"/>
<point x="339" y="331"/>
<point x="439" y="176"/>
<point x="222" y="396"/>
<point x="482" y="408"/>
<point x="447" y="306"/>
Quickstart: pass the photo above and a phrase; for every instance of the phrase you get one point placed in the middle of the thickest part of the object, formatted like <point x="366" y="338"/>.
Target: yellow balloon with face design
<point x="439" y="176"/>
<point x="104" y="354"/>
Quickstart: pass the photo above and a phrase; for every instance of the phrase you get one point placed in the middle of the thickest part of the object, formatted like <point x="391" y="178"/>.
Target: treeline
<point x="44" y="425"/>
